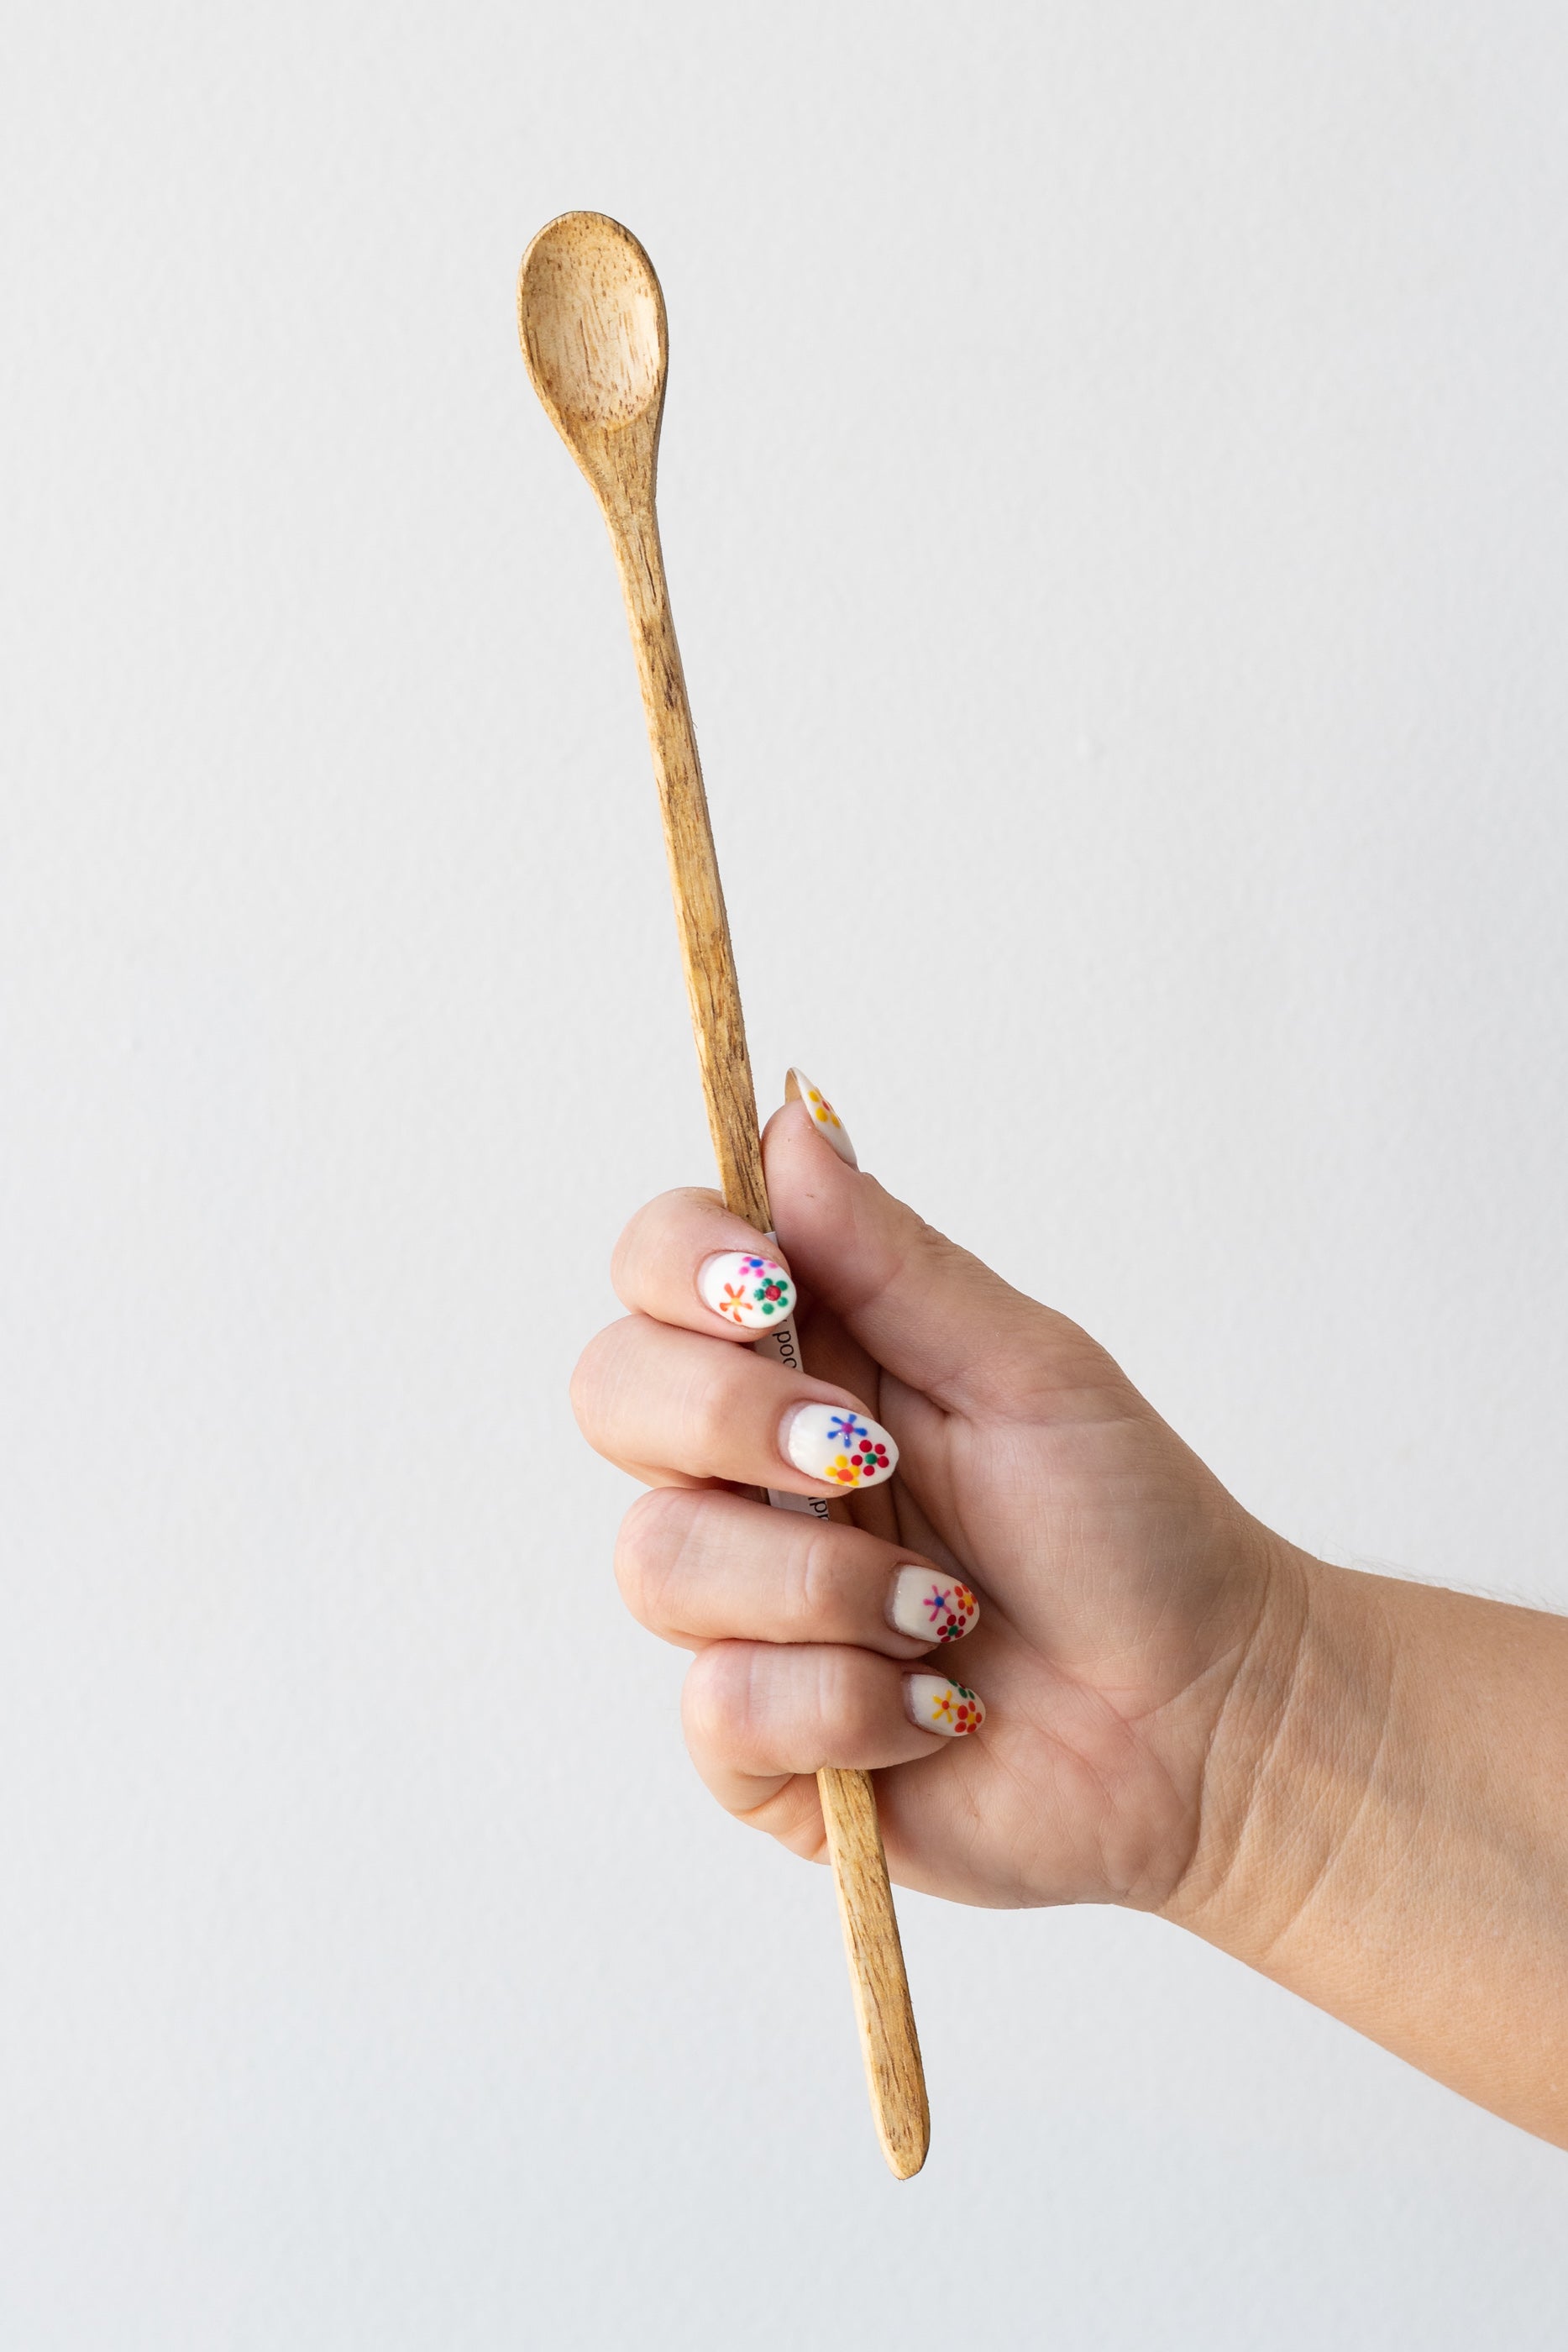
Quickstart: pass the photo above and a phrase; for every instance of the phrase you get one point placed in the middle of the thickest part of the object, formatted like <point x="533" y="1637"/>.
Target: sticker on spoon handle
<point x="780" y="1342"/>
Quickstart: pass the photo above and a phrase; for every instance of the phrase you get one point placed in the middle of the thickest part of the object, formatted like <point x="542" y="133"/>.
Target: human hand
<point x="1121" y="1590"/>
<point x="1352" y="1782"/>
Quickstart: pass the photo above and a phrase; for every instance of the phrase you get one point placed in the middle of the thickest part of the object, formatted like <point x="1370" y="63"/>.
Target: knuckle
<point x="649" y="1549"/>
<point x="709" y="1417"/>
<point x="762" y="1709"/>
<point x="647" y="1231"/>
<point x="718" y="1702"/>
<point x="808" y="1597"/>
<point x="846" y="1702"/>
<point x="581" y="1390"/>
<point x="604" y="1377"/>
<point x="586" y="1389"/>
<point x="624" y="1255"/>
<point x="793" y="1817"/>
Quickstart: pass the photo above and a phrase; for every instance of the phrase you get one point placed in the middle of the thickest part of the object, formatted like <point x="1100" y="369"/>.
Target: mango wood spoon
<point x="591" y="316"/>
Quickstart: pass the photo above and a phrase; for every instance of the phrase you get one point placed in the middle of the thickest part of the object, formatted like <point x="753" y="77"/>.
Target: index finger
<point x="685" y="1259"/>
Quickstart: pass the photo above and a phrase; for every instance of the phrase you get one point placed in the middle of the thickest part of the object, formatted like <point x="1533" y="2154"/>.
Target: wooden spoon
<point x="591" y="316"/>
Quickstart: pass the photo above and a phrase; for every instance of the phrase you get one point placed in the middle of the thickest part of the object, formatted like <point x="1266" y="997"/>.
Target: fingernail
<point x="751" y="1291"/>
<point x="829" y="1440"/>
<point x="798" y="1087"/>
<point x="935" y="1703"/>
<point x="932" y="1608"/>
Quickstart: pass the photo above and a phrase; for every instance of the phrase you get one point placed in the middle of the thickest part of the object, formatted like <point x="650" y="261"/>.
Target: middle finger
<point x="644" y="1392"/>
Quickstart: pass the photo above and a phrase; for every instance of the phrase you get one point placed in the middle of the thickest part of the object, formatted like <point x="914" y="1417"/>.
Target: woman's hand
<point x="1353" y="1784"/>
<point x="1120" y="1589"/>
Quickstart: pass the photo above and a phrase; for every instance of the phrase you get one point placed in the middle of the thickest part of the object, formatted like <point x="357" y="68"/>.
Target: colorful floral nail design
<point x="754" y="1292"/>
<point x="936" y="1704"/>
<point x="827" y="1440"/>
<point x="798" y="1087"/>
<point x="929" y="1606"/>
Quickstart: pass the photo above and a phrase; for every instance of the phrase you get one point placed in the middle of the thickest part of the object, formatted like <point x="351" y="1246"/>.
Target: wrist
<point x="1300" y="1739"/>
<point x="1381" y="1826"/>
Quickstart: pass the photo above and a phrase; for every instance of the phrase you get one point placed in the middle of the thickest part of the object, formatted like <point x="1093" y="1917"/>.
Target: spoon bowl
<point x="590" y="317"/>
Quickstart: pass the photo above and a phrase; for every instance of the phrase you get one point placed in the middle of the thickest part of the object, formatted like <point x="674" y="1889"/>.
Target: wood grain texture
<point x="712" y="989"/>
<point x="590" y="318"/>
<point x="889" y="2043"/>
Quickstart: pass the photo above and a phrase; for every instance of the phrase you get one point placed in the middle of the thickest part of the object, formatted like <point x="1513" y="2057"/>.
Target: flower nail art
<point x="929" y="1606"/>
<point x="827" y="1441"/>
<point x="798" y="1087"/>
<point x="936" y="1704"/>
<point x="754" y="1292"/>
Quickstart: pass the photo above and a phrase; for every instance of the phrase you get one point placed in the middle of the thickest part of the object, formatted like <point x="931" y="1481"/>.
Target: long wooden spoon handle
<point x="889" y="2044"/>
<point x="712" y="987"/>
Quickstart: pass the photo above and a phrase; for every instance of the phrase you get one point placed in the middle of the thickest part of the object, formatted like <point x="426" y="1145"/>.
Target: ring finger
<point x="698" y="1567"/>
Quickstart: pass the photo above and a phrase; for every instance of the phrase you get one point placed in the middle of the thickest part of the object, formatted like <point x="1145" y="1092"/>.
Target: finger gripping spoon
<point x="591" y="316"/>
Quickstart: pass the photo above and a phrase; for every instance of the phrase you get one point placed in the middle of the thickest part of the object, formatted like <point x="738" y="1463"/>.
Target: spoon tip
<point x="591" y="318"/>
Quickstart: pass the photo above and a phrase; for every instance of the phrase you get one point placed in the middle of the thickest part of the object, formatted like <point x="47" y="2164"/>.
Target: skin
<point x="1353" y="1784"/>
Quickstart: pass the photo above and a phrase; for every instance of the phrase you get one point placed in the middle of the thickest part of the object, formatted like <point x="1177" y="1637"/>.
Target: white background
<point x="1116" y="492"/>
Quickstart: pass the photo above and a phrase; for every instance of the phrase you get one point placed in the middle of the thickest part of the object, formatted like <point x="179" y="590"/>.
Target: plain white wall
<point x="1116" y="495"/>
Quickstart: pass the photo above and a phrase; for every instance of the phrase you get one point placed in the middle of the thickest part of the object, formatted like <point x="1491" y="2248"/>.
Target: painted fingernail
<point x="829" y="1440"/>
<point x="751" y="1291"/>
<point x="932" y="1608"/>
<point x="935" y="1703"/>
<point x="798" y="1087"/>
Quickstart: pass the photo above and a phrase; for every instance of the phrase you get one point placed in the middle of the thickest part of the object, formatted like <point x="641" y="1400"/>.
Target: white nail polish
<point x="798" y="1087"/>
<point x="935" y="1703"/>
<point x="835" y="1442"/>
<point x="754" y="1292"/>
<point x="929" y="1606"/>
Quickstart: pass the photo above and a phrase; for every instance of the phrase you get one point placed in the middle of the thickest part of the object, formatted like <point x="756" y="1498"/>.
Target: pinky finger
<point x="760" y="1714"/>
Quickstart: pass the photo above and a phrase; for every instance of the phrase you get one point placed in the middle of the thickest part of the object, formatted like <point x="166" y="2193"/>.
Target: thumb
<point x="928" y="1312"/>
